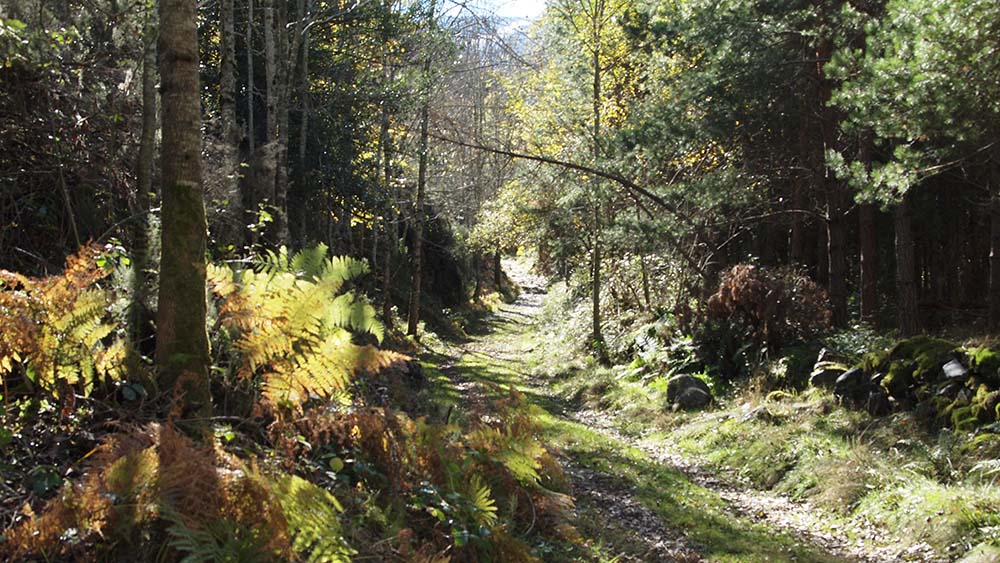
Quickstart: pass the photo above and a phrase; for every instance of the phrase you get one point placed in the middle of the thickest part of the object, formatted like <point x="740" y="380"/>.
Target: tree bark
<point x="906" y="270"/>
<point x="144" y="183"/>
<point x="230" y="130"/>
<point x="868" y="244"/>
<point x="250" y="84"/>
<point x="600" y="348"/>
<point x="837" y="254"/>
<point x="869" y="262"/>
<point x="283" y="79"/>
<point x="227" y="74"/>
<point x="182" y="348"/>
<point x="994" y="286"/>
<point x="418" y="220"/>
<point x="304" y="89"/>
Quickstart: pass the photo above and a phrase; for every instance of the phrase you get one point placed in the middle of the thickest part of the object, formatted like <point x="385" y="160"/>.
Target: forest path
<point x="635" y="501"/>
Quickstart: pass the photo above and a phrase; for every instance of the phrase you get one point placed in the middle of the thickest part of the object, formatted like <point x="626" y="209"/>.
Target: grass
<point x="510" y="354"/>
<point x="920" y="488"/>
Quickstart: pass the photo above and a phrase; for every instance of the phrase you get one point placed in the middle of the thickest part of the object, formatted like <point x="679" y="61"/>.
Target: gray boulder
<point x="688" y="392"/>
<point x="851" y="384"/>
<point x="825" y="373"/>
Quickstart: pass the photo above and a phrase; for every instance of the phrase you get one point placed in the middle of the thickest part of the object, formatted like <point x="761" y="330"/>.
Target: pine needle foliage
<point x="295" y="326"/>
<point x="56" y="331"/>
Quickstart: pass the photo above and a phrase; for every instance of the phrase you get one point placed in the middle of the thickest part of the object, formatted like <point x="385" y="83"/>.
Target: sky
<point x="519" y="8"/>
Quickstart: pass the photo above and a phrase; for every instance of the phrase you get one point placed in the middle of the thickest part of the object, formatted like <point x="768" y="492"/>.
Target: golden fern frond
<point x="518" y="453"/>
<point x="56" y="327"/>
<point x="347" y="311"/>
<point x="313" y="516"/>
<point x="293" y="329"/>
<point x="341" y="269"/>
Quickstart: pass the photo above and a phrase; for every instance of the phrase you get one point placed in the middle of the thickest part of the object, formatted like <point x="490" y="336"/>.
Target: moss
<point x="984" y="403"/>
<point x="928" y="353"/>
<point x="874" y="362"/>
<point x="985" y="362"/>
<point x="898" y="381"/>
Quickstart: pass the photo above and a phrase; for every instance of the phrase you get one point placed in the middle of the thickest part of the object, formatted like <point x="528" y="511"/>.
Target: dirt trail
<point x="614" y="500"/>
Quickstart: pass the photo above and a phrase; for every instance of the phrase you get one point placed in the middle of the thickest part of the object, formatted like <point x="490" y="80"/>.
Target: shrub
<point x="772" y="307"/>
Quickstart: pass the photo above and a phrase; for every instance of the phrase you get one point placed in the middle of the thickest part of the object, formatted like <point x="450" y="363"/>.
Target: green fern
<point x="313" y="516"/>
<point x="294" y="327"/>
<point x="482" y="502"/>
<point x="221" y="541"/>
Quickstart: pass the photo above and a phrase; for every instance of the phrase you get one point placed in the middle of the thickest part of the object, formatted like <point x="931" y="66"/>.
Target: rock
<point x="982" y="553"/>
<point x="852" y="385"/>
<point x="825" y="373"/>
<point x="688" y="392"/>
<point x="955" y="371"/>
<point x="693" y="398"/>
<point x="878" y="403"/>
<point x="828" y="355"/>
<point x="949" y="390"/>
<point x="415" y="373"/>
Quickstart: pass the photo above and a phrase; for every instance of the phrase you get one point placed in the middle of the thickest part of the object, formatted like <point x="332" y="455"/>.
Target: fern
<point x="482" y="502"/>
<point x="294" y="330"/>
<point x="313" y="516"/>
<point x="518" y="453"/>
<point x="55" y="329"/>
<point x="221" y="541"/>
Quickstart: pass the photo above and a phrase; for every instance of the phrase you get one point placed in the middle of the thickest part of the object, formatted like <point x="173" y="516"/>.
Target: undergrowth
<point x="305" y="461"/>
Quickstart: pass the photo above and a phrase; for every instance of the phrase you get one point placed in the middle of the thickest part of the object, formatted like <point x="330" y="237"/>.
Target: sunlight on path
<point x="638" y="502"/>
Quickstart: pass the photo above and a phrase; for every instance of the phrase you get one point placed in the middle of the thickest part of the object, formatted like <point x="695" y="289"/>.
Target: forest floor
<point x="636" y="500"/>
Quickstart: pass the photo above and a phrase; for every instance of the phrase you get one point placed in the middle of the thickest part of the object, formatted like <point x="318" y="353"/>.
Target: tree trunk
<point x="600" y="349"/>
<point x="994" y="287"/>
<point x="418" y="224"/>
<point x="283" y="79"/>
<point x="498" y="270"/>
<point x="304" y="90"/>
<point x="230" y="131"/>
<point x="250" y="84"/>
<point x="182" y="348"/>
<point x="144" y="184"/>
<point x="837" y="259"/>
<point x="906" y="270"/>
<point x="227" y="73"/>
<point x="868" y="244"/>
<point x="869" y="262"/>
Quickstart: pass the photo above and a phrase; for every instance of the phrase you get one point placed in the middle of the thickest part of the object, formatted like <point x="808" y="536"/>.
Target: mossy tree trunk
<point x="182" y="348"/>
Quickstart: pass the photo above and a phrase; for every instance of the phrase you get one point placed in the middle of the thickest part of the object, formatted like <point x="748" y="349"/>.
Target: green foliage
<point x="292" y="328"/>
<point x="313" y="516"/>
<point x="904" y="86"/>
<point x="221" y="540"/>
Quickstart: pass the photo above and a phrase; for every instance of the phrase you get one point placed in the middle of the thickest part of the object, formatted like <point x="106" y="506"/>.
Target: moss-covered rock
<point x="948" y="384"/>
<point x="986" y="363"/>
<point x="929" y="355"/>
<point x="899" y="380"/>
